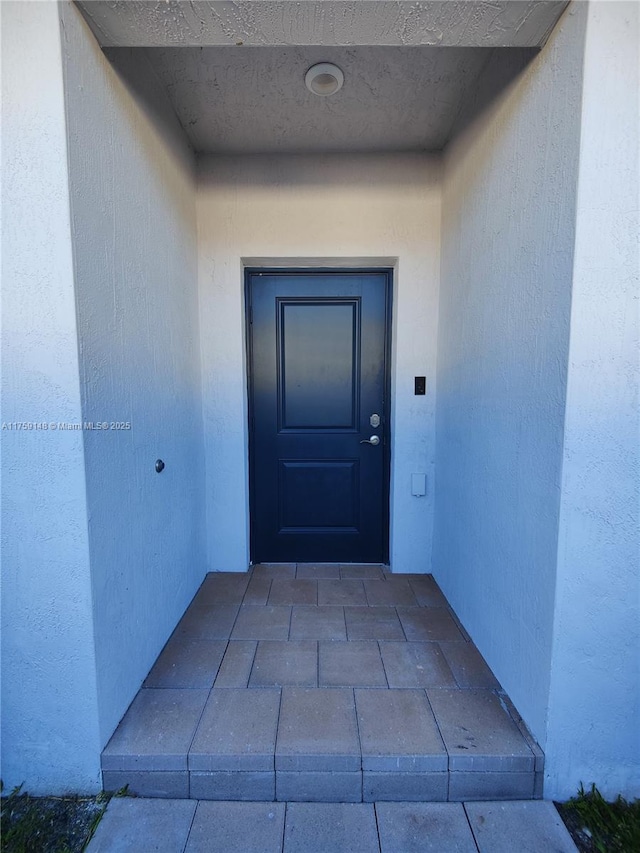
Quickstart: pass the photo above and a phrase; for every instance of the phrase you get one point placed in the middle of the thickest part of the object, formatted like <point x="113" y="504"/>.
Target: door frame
<point x="330" y="269"/>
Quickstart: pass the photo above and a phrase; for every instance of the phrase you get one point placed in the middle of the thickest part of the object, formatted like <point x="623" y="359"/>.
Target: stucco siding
<point x="50" y="738"/>
<point x="594" y="705"/>
<point x="508" y="235"/>
<point x="132" y="188"/>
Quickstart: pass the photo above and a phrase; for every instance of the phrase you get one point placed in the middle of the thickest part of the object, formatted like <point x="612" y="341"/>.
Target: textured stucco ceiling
<point x="253" y="100"/>
<point x="234" y="71"/>
<point x="447" y="23"/>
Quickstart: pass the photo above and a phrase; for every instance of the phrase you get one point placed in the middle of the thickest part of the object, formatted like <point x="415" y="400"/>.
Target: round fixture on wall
<point x="324" y="79"/>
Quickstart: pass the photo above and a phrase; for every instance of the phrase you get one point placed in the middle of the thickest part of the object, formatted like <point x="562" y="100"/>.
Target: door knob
<point x="375" y="439"/>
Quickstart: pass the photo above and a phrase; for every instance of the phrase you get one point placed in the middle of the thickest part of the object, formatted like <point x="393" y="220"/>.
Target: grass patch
<point x="598" y="826"/>
<point x="49" y="824"/>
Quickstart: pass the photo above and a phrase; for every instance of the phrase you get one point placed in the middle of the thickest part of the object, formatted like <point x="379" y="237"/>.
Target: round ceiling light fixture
<point x="324" y="79"/>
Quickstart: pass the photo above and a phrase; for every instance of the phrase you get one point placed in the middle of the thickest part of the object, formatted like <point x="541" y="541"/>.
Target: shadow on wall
<point x="136" y="74"/>
<point x="500" y="73"/>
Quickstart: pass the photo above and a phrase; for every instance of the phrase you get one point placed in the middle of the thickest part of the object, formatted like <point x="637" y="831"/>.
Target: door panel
<point x="318" y="344"/>
<point x="319" y="494"/>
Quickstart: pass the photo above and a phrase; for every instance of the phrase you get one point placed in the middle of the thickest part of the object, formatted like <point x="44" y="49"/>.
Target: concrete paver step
<point x="341" y="684"/>
<point x="187" y="826"/>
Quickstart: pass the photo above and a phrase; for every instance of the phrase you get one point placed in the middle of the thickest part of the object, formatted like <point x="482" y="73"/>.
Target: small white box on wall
<point x="419" y="485"/>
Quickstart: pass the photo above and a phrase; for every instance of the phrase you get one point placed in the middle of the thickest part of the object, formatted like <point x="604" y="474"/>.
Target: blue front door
<point x="319" y="437"/>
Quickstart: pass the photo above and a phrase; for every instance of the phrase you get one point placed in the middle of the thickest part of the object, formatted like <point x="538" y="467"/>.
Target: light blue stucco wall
<point x="131" y="179"/>
<point x="594" y="703"/>
<point x="508" y="237"/>
<point x="50" y="737"/>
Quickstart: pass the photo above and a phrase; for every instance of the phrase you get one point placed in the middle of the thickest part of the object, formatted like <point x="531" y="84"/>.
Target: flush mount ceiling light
<point x="324" y="79"/>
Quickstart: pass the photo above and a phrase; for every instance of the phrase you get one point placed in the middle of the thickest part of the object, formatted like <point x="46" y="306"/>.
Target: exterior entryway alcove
<point x="485" y="151"/>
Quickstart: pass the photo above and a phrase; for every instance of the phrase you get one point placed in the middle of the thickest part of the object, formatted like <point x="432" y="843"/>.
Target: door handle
<point x="375" y="439"/>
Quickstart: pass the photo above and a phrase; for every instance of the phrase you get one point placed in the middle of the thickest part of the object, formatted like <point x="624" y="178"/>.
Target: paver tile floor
<point x="187" y="826"/>
<point x="322" y="683"/>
